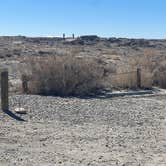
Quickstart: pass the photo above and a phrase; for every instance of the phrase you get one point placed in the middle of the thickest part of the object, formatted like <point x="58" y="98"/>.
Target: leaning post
<point x="4" y="90"/>
<point x="138" y="78"/>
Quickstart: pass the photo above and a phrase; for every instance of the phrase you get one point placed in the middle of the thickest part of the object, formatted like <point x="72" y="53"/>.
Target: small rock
<point x="20" y="111"/>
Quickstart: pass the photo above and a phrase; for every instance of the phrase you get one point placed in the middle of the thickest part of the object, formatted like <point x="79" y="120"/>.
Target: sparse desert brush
<point x="71" y="73"/>
<point x="145" y="63"/>
<point x="123" y="81"/>
<point x="159" y="78"/>
<point x="126" y="73"/>
<point x="63" y="75"/>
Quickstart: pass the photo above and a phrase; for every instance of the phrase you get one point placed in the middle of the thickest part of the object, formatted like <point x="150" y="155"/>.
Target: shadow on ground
<point x="14" y="116"/>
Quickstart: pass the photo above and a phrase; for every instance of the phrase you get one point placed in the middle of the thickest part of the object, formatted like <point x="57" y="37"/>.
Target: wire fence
<point x="138" y="78"/>
<point x="125" y="79"/>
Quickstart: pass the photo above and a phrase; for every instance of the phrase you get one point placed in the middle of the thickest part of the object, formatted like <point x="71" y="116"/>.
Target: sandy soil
<point x="124" y="131"/>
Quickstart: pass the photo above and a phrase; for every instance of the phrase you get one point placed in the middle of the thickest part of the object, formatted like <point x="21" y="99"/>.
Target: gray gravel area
<point x="123" y="131"/>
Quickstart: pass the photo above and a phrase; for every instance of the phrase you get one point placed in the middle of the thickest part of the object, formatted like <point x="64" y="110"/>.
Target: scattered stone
<point x="20" y="111"/>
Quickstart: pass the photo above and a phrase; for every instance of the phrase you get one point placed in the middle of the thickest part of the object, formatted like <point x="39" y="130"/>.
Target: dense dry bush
<point x="72" y="74"/>
<point x="65" y="75"/>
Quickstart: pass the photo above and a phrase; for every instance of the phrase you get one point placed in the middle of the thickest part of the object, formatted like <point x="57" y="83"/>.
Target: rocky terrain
<point x="128" y="131"/>
<point x="24" y="46"/>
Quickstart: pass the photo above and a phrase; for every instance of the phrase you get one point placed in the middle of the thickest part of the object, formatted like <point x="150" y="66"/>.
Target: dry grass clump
<point x="128" y="80"/>
<point x="123" y="79"/>
<point x="64" y="76"/>
<point x="146" y="78"/>
<point x="145" y="63"/>
<point x="159" y="78"/>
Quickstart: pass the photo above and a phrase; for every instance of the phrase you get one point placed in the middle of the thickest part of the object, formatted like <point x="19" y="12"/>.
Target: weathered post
<point x="4" y="90"/>
<point x="63" y="36"/>
<point x="138" y="78"/>
<point x="24" y="84"/>
<point x="73" y="36"/>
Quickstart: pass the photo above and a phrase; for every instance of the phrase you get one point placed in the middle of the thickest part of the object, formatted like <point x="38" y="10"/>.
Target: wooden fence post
<point x="138" y="78"/>
<point x="4" y="90"/>
<point x="64" y="36"/>
<point x="24" y="84"/>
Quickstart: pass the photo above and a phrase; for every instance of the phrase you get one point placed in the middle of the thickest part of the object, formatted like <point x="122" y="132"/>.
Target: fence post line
<point x="64" y="36"/>
<point x="4" y="90"/>
<point x="24" y="84"/>
<point x="138" y="78"/>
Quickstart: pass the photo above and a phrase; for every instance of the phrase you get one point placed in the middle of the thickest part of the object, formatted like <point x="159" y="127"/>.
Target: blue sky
<point x="107" y="18"/>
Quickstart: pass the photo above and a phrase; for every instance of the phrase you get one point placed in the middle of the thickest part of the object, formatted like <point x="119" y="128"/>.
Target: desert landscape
<point x="78" y="123"/>
<point x="113" y="55"/>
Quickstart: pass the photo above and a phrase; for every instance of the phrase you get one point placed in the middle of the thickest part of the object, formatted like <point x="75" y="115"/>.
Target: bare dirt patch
<point x="71" y="131"/>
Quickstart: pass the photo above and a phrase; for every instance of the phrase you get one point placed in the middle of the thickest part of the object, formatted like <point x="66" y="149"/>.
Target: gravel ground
<point x="126" y="131"/>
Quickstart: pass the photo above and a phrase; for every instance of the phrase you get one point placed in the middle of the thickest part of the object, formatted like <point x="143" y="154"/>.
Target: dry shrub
<point x="126" y="73"/>
<point x="65" y="75"/>
<point x="153" y="68"/>
<point x="129" y="80"/>
<point x="159" y="78"/>
<point x="146" y="64"/>
<point x="73" y="74"/>
<point x="120" y="80"/>
<point x="146" y="78"/>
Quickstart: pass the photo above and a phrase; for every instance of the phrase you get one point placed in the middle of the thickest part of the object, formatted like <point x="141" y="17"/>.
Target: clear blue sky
<point x="109" y="18"/>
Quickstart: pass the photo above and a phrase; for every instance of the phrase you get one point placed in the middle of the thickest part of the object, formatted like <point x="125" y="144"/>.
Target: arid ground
<point x="123" y="131"/>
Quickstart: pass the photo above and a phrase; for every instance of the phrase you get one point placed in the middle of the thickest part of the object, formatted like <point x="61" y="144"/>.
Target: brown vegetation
<point x="71" y="74"/>
<point x="110" y="63"/>
<point x="65" y="75"/>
